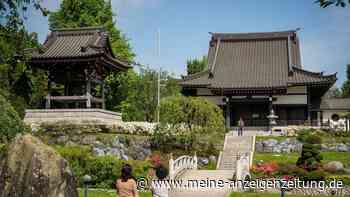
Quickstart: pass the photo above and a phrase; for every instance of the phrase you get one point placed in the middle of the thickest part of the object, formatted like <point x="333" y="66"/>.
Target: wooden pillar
<point x="308" y="106"/>
<point x="318" y="118"/>
<point x="228" y="113"/>
<point x="48" y="97"/>
<point x="88" y="93"/>
<point x="103" y="95"/>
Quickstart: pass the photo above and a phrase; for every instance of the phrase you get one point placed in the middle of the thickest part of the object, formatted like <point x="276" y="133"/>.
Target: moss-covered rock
<point x="33" y="169"/>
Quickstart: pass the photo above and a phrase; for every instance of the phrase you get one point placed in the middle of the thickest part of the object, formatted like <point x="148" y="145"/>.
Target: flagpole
<point x="159" y="74"/>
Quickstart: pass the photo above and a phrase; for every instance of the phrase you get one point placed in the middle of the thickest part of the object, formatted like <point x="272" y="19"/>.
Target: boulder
<point x="203" y="161"/>
<point x="212" y="158"/>
<point x="270" y="143"/>
<point x="334" y="166"/>
<point x="342" y="148"/>
<point x="33" y="169"/>
<point x="98" y="151"/>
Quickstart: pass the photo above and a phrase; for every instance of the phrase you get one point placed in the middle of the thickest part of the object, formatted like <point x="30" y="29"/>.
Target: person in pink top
<point x="126" y="184"/>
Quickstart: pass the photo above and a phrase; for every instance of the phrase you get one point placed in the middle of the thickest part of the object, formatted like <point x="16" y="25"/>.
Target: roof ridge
<point x="320" y="74"/>
<point x="78" y="28"/>
<point x="196" y="75"/>
<point x="244" y="33"/>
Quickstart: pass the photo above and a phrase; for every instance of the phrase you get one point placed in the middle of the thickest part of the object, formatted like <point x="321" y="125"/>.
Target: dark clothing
<point x="240" y="131"/>
<point x="240" y="127"/>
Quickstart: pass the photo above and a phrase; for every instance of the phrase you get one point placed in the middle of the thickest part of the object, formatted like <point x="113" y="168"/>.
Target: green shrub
<point x="10" y="122"/>
<point x="316" y="175"/>
<point x="192" y="112"/>
<point x="167" y="138"/>
<point x="104" y="170"/>
<point x="77" y="157"/>
<point x="313" y="139"/>
<point x="189" y="123"/>
<point x="59" y="128"/>
<point x="311" y="157"/>
<point x="3" y="149"/>
<point x="344" y="178"/>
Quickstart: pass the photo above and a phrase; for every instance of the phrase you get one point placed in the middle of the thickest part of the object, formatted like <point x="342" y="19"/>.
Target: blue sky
<point x="184" y="27"/>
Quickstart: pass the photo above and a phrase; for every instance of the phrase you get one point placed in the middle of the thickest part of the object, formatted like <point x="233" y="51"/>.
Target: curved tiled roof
<point x="67" y="44"/>
<point x="255" y="61"/>
<point x="335" y="103"/>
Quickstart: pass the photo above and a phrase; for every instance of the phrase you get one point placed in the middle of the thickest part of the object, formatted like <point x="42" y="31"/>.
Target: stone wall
<point x="293" y="145"/>
<point x="99" y="116"/>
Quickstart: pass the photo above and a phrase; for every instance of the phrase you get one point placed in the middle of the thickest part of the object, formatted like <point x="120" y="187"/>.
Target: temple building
<point x="76" y="62"/>
<point x="251" y="73"/>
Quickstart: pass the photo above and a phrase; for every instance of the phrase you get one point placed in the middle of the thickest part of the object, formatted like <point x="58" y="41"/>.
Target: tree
<point x="20" y="84"/>
<point x="193" y="112"/>
<point x="139" y="92"/>
<point x="10" y="122"/>
<point x="327" y="3"/>
<point x="197" y="65"/>
<point x="85" y="13"/>
<point x="346" y="85"/>
<point x="311" y="157"/>
<point x="333" y="92"/>
<point x="10" y="10"/>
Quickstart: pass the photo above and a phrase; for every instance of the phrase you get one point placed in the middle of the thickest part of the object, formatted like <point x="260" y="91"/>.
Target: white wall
<point x="297" y="90"/>
<point x="290" y="99"/>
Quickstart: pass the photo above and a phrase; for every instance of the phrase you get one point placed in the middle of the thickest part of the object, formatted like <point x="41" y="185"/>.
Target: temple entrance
<point x="253" y="114"/>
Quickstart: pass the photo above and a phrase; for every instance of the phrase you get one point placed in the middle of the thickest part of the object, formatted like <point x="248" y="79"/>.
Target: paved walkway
<point x="226" y="169"/>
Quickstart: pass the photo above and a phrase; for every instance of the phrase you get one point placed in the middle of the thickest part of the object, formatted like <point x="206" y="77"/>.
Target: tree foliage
<point x="346" y="85"/>
<point x="22" y="85"/>
<point x="136" y="93"/>
<point x="193" y="112"/>
<point x="311" y="157"/>
<point x="197" y="65"/>
<point x="333" y="92"/>
<point x="85" y="13"/>
<point x="338" y="3"/>
<point x="10" y="122"/>
<point x="12" y="11"/>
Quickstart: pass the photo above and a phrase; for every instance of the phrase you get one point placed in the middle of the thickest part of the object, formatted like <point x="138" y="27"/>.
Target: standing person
<point x="240" y="126"/>
<point x="126" y="184"/>
<point x="160" y="187"/>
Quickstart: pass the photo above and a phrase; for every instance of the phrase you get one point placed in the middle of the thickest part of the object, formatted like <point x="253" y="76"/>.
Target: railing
<point x="181" y="164"/>
<point x="243" y="165"/>
<point x="265" y="122"/>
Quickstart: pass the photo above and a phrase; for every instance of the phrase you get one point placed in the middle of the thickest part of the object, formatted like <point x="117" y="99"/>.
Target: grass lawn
<point x="291" y="158"/>
<point x="108" y="193"/>
<point x="259" y="194"/>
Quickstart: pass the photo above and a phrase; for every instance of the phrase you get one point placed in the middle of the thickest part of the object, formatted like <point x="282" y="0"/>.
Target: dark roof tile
<point x="254" y="61"/>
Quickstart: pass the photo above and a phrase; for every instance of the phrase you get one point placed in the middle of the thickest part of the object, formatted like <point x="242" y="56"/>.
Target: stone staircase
<point x="233" y="146"/>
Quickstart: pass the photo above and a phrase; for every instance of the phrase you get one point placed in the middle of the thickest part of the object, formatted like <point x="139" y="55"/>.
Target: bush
<point x="317" y="175"/>
<point x="268" y="169"/>
<point x="10" y="122"/>
<point x="104" y="170"/>
<point x="313" y="139"/>
<point x="167" y="139"/>
<point x="193" y="113"/>
<point x="189" y="123"/>
<point x="344" y="178"/>
<point x="311" y="157"/>
<point x="77" y="157"/>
